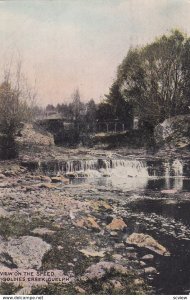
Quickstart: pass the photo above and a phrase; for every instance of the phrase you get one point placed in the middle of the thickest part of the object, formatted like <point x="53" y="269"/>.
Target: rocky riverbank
<point x="49" y="224"/>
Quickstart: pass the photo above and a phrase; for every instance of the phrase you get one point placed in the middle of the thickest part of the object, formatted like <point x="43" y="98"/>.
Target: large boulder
<point x="146" y="241"/>
<point x="173" y="132"/>
<point x="25" y="252"/>
<point x="101" y="269"/>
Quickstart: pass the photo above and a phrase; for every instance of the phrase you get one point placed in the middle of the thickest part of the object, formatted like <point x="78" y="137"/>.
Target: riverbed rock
<point x="45" y="178"/>
<point x="150" y="270"/>
<point x="59" y="179"/>
<point x="142" y="263"/>
<point x="46" y="185"/>
<point x="173" y="191"/>
<point x="27" y="251"/>
<point x="112" y="285"/>
<point x="116" y="284"/>
<point x="116" y="224"/>
<point x="100" y="205"/>
<point x="99" y="270"/>
<point x="80" y="290"/>
<point x="117" y="257"/>
<point x="92" y="253"/>
<point x="43" y="231"/>
<point x="138" y="281"/>
<point x="2" y="176"/>
<point x="87" y="222"/>
<point x="148" y="257"/>
<point x="3" y="213"/>
<point x="5" y="184"/>
<point x="39" y="178"/>
<point x="146" y="241"/>
<point x="9" y="173"/>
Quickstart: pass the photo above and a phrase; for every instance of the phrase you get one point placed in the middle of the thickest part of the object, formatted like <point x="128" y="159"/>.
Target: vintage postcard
<point x="94" y="147"/>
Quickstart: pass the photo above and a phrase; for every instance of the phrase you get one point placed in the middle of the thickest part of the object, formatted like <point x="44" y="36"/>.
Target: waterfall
<point x="129" y="168"/>
<point x="96" y="168"/>
<point x="108" y="167"/>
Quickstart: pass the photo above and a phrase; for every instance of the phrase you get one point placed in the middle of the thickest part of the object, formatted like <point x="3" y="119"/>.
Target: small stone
<point x="169" y="191"/>
<point x="80" y="290"/>
<point x="112" y="285"/>
<point x="150" y="270"/>
<point x="97" y="205"/>
<point x="148" y="257"/>
<point x="130" y="248"/>
<point x="70" y="265"/>
<point x="88" y="222"/>
<point x="39" y="178"/>
<point x="45" y="178"/>
<point x="138" y="281"/>
<point x="99" y="270"/>
<point x="59" y="247"/>
<point x="43" y="231"/>
<point x="116" y="224"/>
<point x="106" y="286"/>
<point x="59" y="179"/>
<point x="9" y="173"/>
<point x="132" y="255"/>
<point x="46" y="185"/>
<point x="119" y="245"/>
<point x="117" y="256"/>
<point x="2" y="176"/>
<point x="113" y="233"/>
<point x="142" y="264"/>
<point x="92" y="253"/>
<point x="116" y="284"/>
<point x="185" y="239"/>
<point x="93" y="223"/>
<point x="3" y="213"/>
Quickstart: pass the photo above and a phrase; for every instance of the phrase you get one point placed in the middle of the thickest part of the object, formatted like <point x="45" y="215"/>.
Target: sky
<point x="69" y="44"/>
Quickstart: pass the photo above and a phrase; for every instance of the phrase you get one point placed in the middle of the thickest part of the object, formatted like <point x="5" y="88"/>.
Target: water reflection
<point x="142" y="183"/>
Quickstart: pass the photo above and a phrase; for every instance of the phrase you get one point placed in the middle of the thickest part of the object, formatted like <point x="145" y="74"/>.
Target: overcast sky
<point x="69" y="44"/>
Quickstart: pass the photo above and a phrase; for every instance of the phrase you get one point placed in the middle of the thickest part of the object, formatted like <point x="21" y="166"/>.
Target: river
<point x="154" y="198"/>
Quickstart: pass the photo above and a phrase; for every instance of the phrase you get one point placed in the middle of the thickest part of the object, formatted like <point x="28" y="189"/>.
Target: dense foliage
<point x="13" y="111"/>
<point x="155" y="79"/>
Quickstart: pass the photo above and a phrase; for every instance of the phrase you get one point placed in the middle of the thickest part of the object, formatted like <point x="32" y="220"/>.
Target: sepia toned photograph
<point x="94" y="147"/>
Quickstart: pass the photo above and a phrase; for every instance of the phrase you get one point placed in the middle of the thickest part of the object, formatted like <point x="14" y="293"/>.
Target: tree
<point x="14" y="109"/>
<point x="105" y="112"/>
<point x="76" y="104"/>
<point x="90" y="117"/>
<point x="50" y="108"/>
<point x="121" y="109"/>
<point x="155" y="79"/>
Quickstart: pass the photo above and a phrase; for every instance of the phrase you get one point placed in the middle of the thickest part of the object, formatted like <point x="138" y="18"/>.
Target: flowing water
<point x="156" y="200"/>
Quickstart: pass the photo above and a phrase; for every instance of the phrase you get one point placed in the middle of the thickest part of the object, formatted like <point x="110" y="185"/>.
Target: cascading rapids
<point x="125" y="174"/>
<point x="119" y="173"/>
<point x="107" y="168"/>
